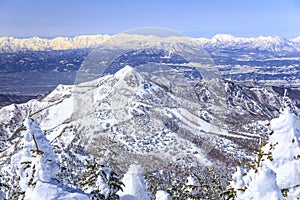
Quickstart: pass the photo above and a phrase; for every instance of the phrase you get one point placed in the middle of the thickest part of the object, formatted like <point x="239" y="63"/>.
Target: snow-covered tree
<point x="135" y="186"/>
<point x="259" y="183"/>
<point x="36" y="167"/>
<point x="191" y="188"/>
<point x="276" y="171"/>
<point x="162" y="195"/>
<point x="284" y="145"/>
<point x="36" y="161"/>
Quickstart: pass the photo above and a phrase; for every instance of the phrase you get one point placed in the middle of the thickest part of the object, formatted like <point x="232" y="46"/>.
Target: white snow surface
<point x="47" y="191"/>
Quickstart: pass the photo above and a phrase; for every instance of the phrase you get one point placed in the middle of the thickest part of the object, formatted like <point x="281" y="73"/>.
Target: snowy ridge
<point x="11" y="44"/>
<point x="269" y="43"/>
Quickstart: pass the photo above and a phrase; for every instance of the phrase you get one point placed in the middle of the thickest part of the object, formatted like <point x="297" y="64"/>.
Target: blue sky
<point x="196" y="18"/>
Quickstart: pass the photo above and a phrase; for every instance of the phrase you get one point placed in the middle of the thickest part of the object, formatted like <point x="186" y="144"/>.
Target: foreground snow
<point x="52" y="191"/>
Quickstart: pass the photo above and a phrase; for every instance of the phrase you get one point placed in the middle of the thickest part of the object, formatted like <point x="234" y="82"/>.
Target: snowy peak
<point x="127" y="70"/>
<point x="267" y="43"/>
<point x="271" y="43"/>
<point x="128" y="77"/>
<point x="224" y="38"/>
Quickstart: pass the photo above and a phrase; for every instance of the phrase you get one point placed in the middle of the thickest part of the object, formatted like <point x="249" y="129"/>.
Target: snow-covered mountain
<point x="269" y="43"/>
<point x="147" y="118"/>
<point x="226" y="40"/>
<point x="144" y="101"/>
<point x="275" y="44"/>
<point x="261" y="43"/>
<point x="127" y="118"/>
<point x="11" y="44"/>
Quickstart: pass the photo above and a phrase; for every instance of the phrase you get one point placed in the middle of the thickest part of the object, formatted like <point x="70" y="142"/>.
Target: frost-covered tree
<point x="162" y="195"/>
<point x="100" y="181"/>
<point x="135" y="186"/>
<point x="275" y="172"/>
<point x="284" y="145"/>
<point x="35" y="165"/>
<point x="200" y="184"/>
<point x="259" y="183"/>
<point x="36" y="161"/>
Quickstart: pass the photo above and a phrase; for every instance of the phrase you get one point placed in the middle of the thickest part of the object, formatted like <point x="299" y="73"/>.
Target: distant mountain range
<point x="268" y="43"/>
<point x="45" y="63"/>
